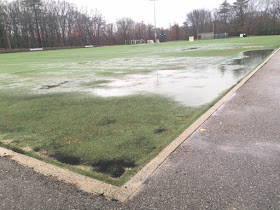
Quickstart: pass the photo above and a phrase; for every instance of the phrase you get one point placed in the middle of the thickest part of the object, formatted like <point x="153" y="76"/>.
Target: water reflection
<point x="245" y="64"/>
<point x="252" y="57"/>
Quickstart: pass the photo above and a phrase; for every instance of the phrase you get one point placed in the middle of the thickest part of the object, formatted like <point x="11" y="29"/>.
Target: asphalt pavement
<point x="231" y="162"/>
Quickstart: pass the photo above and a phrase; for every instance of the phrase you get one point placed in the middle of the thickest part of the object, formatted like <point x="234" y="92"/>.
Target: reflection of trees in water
<point x="251" y="59"/>
<point x="239" y="72"/>
<point x="223" y="69"/>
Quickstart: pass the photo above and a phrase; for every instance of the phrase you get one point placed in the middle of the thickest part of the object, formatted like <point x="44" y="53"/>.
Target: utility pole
<point x="155" y="19"/>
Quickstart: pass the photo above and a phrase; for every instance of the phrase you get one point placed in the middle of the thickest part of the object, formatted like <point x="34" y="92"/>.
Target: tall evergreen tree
<point x="224" y="11"/>
<point x="240" y="7"/>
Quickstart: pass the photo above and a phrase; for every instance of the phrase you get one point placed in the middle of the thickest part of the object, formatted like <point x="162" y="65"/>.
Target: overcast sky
<point x="167" y="11"/>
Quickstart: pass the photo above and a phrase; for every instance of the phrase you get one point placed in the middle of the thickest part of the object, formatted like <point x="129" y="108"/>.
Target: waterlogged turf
<point x="106" y="111"/>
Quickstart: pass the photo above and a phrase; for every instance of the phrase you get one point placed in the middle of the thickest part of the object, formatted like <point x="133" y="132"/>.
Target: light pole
<point x="155" y="27"/>
<point x="155" y="19"/>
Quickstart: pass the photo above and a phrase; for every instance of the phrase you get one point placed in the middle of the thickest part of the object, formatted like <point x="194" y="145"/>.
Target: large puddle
<point x="192" y="86"/>
<point x="196" y="81"/>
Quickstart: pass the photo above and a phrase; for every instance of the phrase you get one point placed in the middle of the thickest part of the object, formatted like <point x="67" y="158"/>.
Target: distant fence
<point x="221" y="36"/>
<point x="207" y="36"/>
<point x="133" y="42"/>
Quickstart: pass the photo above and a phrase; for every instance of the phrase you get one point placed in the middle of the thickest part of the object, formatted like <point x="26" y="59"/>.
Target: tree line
<point x="253" y="17"/>
<point x="49" y="23"/>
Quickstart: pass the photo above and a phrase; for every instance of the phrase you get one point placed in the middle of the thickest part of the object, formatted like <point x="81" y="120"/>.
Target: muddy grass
<point x="114" y="168"/>
<point x="112" y="109"/>
<point x="45" y="87"/>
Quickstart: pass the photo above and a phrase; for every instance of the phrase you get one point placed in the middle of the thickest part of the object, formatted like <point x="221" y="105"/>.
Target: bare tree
<point x="110" y="34"/>
<point x="200" y="20"/>
<point x="125" y="26"/>
<point x="98" y="23"/>
<point x="54" y="23"/>
<point x="176" y="32"/>
<point x="275" y="15"/>
<point x="35" y="7"/>
<point x="3" y="29"/>
<point x="252" y="20"/>
<point x="150" y="32"/>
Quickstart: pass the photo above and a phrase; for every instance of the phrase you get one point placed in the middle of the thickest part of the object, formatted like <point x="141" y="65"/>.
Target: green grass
<point x="89" y="131"/>
<point x="112" y="138"/>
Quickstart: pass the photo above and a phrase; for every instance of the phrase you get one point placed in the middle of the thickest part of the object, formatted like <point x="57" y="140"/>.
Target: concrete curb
<point x="129" y="189"/>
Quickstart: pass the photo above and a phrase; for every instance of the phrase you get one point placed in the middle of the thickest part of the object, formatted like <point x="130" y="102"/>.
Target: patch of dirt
<point x="43" y="153"/>
<point x="27" y="149"/>
<point x="160" y="130"/>
<point x="68" y="159"/>
<point x="8" y="156"/>
<point x="187" y="49"/>
<point x="7" y="141"/>
<point x="115" y="167"/>
<point x="106" y="121"/>
<point x="46" y="87"/>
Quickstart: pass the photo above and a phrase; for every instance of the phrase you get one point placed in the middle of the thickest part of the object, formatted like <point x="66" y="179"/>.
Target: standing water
<point x="194" y="85"/>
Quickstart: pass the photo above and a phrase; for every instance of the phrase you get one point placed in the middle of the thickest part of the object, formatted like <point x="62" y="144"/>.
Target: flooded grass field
<point x="106" y="111"/>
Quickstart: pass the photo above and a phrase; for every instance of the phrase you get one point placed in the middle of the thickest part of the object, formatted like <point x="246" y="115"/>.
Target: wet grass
<point x="82" y="130"/>
<point x="95" y="84"/>
<point x="73" y="61"/>
<point x="114" y="136"/>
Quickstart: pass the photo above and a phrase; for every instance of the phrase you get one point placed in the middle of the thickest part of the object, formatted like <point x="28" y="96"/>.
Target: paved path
<point x="231" y="162"/>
